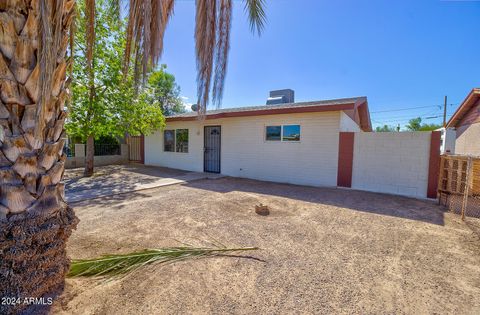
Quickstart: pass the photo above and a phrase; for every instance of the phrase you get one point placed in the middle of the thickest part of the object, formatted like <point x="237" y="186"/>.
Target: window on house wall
<point x="181" y="140"/>
<point x="169" y="140"/>
<point x="290" y="133"/>
<point x="273" y="133"/>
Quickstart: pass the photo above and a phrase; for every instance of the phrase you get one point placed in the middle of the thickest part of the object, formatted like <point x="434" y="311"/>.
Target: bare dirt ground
<point x="323" y="251"/>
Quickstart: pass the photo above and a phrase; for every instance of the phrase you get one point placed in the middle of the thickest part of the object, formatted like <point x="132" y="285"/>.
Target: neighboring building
<point x="291" y="142"/>
<point x="466" y="121"/>
<point x="447" y="140"/>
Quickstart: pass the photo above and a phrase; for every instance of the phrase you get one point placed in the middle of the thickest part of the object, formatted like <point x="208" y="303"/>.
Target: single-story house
<point x="287" y="142"/>
<point x="466" y="121"/>
<point x="320" y="143"/>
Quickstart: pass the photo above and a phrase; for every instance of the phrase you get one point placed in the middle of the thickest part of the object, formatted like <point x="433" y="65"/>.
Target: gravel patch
<point x="322" y="251"/>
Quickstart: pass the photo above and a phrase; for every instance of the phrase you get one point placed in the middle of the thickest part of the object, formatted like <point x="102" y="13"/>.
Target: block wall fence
<point x="78" y="160"/>
<point x="405" y="163"/>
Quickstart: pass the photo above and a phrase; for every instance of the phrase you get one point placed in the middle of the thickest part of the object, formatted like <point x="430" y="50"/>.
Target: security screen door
<point x="211" y="149"/>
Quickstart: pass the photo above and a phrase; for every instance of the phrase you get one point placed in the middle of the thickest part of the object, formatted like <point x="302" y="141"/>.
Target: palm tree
<point x="35" y="221"/>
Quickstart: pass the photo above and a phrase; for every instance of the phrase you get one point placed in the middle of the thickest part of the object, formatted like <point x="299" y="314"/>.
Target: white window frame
<point x="175" y="140"/>
<point x="281" y="133"/>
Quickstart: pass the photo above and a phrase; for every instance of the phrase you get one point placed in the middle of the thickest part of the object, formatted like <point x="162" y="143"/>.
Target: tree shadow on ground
<point x="114" y="179"/>
<point x="112" y="201"/>
<point x="390" y="205"/>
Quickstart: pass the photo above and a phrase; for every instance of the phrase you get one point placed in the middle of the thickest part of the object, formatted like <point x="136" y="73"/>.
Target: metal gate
<point x="211" y="150"/>
<point x="135" y="149"/>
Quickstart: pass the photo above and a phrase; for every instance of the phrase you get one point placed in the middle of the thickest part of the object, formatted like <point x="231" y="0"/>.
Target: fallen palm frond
<point x="114" y="265"/>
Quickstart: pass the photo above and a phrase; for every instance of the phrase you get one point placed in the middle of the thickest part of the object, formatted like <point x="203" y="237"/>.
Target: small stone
<point x="262" y="209"/>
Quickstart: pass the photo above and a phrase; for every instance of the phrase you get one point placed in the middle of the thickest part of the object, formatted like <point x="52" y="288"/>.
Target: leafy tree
<point x="108" y="105"/>
<point x="430" y="127"/>
<point x="415" y="124"/>
<point x="165" y="91"/>
<point x="385" y="128"/>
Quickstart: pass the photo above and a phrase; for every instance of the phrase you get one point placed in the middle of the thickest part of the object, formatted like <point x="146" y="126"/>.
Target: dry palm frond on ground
<point x="121" y="264"/>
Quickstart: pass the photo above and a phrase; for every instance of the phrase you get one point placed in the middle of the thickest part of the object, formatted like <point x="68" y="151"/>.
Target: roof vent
<point x="281" y="97"/>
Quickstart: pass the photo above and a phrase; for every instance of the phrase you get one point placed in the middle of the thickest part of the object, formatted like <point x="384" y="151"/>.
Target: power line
<point x="410" y="108"/>
<point x="425" y="115"/>
<point x="404" y="119"/>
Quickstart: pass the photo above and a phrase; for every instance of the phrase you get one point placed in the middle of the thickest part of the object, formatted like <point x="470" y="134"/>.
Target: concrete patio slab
<point x="120" y="179"/>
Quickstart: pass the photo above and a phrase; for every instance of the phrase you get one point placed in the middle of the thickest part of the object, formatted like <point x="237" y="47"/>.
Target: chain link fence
<point x="459" y="185"/>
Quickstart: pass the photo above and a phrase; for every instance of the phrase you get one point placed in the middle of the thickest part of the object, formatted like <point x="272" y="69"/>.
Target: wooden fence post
<point x="467" y="186"/>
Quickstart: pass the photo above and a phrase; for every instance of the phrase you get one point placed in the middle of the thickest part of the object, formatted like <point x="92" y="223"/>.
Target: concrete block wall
<point x="78" y="160"/>
<point x="392" y="162"/>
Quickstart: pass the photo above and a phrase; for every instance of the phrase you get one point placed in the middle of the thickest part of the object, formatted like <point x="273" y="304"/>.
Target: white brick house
<point x="245" y="149"/>
<point x="323" y="143"/>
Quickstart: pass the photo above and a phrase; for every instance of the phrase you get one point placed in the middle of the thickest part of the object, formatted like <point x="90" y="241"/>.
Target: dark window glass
<point x="291" y="133"/>
<point x="182" y="140"/>
<point x="273" y="133"/>
<point x="169" y="140"/>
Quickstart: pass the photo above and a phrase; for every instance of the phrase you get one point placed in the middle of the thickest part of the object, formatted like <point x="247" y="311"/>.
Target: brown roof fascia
<point x="361" y="107"/>
<point x="273" y="111"/>
<point x="467" y="103"/>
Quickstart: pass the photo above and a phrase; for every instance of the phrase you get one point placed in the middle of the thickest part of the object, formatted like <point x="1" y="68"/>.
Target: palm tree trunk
<point x="89" y="157"/>
<point x="35" y="221"/>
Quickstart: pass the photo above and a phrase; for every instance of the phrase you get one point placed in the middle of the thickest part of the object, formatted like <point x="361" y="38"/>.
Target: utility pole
<point x="445" y="113"/>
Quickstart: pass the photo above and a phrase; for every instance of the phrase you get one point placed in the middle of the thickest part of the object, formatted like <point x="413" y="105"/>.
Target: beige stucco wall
<point x="245" y="153"/>
<point x="468" y="140"/>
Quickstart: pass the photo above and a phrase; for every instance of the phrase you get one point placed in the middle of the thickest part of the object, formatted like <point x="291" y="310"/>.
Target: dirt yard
<point x="322" y="251"/>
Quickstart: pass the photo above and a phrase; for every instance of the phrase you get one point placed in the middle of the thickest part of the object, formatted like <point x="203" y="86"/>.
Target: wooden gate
<point x="136" y="149"/>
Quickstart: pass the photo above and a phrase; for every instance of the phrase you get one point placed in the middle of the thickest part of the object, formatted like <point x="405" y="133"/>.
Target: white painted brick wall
<point x="347" y="124"/>
<point x="392" y="162"/>
<point x="245" y="153"/>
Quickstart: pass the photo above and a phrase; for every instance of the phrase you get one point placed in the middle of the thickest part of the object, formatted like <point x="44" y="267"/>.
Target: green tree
<point x="385" y="128"/>
<point x="415" y="124"/>
<point x="165" y="91"/>
<point x="108" y="105"/>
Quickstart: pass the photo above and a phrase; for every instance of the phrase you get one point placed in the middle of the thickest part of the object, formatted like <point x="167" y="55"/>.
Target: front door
<point x="211" y="149"/>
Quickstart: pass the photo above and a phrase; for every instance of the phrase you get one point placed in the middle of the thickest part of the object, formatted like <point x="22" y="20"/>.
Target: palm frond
<point x="223" y="46"/>
<point x="256" y="14"/>
<point x="116" y="265"/>
<point x="162" y="11"/>
<point x="147" y="21"/>
<point x="205" y="40"/>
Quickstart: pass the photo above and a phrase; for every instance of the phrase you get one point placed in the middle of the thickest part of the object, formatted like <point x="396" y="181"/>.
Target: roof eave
<point x="464" y="107"/>
<point x="272" y="111"/>
<point x="365" y="122"/>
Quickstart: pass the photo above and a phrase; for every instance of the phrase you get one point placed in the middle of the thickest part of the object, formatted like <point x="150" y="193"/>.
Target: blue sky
<point x="400" y="54"/>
